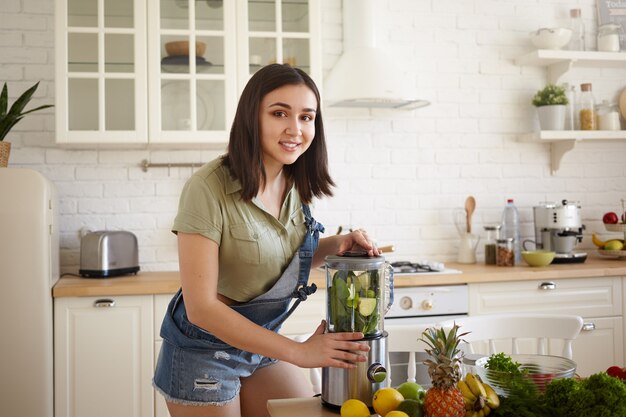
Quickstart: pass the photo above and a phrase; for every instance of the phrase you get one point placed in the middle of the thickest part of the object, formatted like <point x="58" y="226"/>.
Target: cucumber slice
<point x="367" y="306"/>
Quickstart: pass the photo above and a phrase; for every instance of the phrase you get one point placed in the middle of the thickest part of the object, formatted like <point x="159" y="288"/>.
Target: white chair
<point x="510" y="331"/>
<point x="405" y="338"/>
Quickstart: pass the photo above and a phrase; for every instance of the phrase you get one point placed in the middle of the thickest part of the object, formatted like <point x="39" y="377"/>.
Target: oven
<point x="422" y="305"/>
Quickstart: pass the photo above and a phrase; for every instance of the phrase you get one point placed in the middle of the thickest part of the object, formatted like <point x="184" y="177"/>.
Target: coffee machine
<point x="558" y="228"/>
<point x="359" y="294"/>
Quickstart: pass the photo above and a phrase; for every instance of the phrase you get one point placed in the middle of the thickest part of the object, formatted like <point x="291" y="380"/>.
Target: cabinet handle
<point x="104" y="302"/>
<point x="547" y="286"/>
<point x="587" y="327"/>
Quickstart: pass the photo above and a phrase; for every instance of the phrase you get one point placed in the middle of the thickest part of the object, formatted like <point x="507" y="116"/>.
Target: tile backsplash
<point x="399" y="174"/>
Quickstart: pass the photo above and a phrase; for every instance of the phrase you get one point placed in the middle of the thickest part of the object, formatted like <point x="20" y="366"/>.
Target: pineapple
<point x="444" y="399"/>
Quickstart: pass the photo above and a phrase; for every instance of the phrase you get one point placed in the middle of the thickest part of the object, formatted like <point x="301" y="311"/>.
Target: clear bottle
<point x="570" y="116"/>
<point x="577" y="43"/>
<point x="493" y="234"/>
<point x="586" y="108"/>
<point x="511" y="227"/>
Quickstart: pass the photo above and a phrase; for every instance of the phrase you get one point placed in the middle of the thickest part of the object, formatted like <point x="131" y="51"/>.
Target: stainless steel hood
<point x="365" y="75"/>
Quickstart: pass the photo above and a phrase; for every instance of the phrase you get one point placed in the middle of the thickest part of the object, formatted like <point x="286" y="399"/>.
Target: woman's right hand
<point x="336" y="350"/>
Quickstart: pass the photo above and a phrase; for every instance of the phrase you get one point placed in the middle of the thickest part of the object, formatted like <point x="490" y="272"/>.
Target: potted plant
<point x="9" y="118"/>
<point x="551" y="102"/>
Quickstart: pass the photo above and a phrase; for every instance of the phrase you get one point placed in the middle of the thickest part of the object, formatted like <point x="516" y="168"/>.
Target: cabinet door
<point x="192" y="89"/>
<point x="285" y="31"/>
<point x="104" y="356"/>
<point x="599" y="345"/>
<point x="101" y="71"/>
<point x="592" y="297"/>
<point x="161" y="302"/>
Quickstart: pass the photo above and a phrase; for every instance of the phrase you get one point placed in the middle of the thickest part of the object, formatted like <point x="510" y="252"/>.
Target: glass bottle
<point x="586" y="109"/>
<point x="570" y="118"/>
<point x="493" y="234"/>
<point x="578" y="30"/>
<point x="511" y="228"/>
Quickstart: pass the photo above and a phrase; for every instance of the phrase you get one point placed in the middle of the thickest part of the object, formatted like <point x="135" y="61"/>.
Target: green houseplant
<point x="10" y="116"/>
<point x="551" y="103"/>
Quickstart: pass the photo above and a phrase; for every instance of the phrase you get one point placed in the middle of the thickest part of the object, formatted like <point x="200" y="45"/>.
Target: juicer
<point x="359" y="293"/>
<point x="558" y="228"/>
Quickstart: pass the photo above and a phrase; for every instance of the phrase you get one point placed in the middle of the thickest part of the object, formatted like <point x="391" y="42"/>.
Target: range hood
<point x="365" y="75"/>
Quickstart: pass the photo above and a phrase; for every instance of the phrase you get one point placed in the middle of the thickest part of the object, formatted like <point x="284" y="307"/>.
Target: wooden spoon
<point x="470" y="206"/>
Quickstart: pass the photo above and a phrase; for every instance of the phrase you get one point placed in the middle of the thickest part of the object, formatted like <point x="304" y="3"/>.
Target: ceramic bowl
<point x="551" y="38"/>
<point x="538" y="257"/>
<point x="538" y="369"/>
<point x="181" y="48"/>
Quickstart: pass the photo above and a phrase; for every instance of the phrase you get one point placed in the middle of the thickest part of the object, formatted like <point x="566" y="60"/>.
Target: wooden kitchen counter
<point x="169" y="282"/>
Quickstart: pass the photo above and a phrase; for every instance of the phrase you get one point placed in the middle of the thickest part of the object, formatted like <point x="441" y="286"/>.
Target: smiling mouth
<point x="290" y="145"/>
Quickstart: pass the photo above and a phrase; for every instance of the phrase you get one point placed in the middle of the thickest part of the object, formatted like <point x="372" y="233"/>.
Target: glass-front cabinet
<point x="137" y="71"/>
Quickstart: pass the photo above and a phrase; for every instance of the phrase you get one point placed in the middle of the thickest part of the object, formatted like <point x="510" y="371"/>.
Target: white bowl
<point x="551" y="38"/>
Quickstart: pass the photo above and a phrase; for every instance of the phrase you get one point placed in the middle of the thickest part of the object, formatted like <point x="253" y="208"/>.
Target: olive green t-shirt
<point x="254" y="246"/>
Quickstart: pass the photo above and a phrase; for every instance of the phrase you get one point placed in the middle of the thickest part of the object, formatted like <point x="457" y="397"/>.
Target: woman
<point x="246" y="244"/>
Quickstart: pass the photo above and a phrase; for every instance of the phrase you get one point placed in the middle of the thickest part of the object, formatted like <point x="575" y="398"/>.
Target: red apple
<point x="615" y="371"/>
<point x="610" y="218"/>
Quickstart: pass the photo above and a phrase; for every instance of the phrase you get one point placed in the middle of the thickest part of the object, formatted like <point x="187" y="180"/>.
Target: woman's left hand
<point x="357" y="240"/>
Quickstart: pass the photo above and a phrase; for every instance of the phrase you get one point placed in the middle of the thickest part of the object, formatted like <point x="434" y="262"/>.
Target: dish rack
<point x="620" y="228"/>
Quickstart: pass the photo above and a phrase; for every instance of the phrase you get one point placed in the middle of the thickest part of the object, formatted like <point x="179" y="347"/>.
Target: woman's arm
<point x="338" y="244"/>
<point x="198" y="258"/>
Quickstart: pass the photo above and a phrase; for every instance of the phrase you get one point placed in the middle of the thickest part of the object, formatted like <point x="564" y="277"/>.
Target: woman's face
<point x="287" y="122"/>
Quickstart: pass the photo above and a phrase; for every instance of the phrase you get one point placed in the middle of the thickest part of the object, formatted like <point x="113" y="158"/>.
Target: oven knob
<point x="406" y="303"/>
<point x="427" y="304"/>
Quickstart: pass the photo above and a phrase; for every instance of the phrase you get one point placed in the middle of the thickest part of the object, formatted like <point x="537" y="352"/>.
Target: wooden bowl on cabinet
<point x="181" y="48"/>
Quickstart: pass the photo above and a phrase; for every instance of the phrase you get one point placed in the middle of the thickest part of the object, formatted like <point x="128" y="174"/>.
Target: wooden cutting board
<point x="299" y="407"/>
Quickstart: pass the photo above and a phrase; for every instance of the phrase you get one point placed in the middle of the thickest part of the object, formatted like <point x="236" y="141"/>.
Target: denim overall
<point x="197" y="368"/>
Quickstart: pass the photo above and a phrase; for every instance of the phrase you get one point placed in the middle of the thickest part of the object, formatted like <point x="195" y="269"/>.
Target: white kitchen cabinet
<point x="103" y="356"/>
<point x="116" y="83"/>
<point x="558" y="64"/>
<point x="161" y="302"/>
<point x="598" y="300"/>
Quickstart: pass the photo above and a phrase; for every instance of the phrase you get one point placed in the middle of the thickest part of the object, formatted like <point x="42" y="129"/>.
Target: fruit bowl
<point x="612" y="253"/>
<point x="619" y="227"/>
<point x="540" y="369"/>
<point x="538" y="257"/>
<point x="181" y="48"/>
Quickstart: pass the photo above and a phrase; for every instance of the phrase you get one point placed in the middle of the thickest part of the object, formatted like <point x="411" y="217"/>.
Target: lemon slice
<point x="367" y="306"/>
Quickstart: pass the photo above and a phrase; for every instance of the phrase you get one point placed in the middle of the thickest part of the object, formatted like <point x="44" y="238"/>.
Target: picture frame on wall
<point x="613" y="11"/>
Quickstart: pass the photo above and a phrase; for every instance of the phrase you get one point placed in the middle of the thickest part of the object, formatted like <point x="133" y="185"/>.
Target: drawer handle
<point x="104" y="302"/>
<point x="587" y="327"/>
<point x="547" y="286"/>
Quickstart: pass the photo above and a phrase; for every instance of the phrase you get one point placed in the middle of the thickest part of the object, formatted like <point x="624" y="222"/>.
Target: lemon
<point x="386" y="400"/>
<point x="396" y="413"/>
<point x="410" y="390"/>
<point x="354" y="408"/>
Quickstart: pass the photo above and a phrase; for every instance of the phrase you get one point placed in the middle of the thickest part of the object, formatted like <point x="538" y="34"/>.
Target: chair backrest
<point x="511" y="330"/>
<point x="405" y="338"/>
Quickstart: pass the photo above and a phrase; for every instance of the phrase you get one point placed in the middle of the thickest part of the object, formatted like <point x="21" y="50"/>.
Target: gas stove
<point x="421" y="267"/>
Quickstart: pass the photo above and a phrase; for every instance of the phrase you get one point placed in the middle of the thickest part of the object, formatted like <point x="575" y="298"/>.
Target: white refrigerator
<point x="29" y="267"/>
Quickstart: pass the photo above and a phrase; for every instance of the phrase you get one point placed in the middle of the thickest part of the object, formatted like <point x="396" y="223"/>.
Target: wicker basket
<point x="5" y="150"/>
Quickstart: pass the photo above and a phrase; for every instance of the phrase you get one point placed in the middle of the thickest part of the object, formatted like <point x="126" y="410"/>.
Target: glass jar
<point x="608" y="37"/>
<point x="359" y="293"/>
<point x="586" y="108"/>
<point x="608" y="116"/>
<point x="505" y="252"/>
<point x="493" y="234"/>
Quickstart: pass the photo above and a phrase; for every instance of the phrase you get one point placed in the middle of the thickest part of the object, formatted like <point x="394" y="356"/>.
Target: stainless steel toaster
<point x="108" y="253"/>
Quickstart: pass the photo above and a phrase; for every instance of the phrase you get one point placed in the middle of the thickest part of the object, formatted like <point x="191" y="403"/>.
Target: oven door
<point x="399" y="361"/>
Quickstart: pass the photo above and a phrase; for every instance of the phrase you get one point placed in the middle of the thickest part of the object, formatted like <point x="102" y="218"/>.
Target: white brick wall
<point x="399" y="174"/>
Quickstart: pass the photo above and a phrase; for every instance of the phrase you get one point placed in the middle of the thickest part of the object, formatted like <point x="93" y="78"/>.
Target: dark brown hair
<point x="245" y="159"/>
